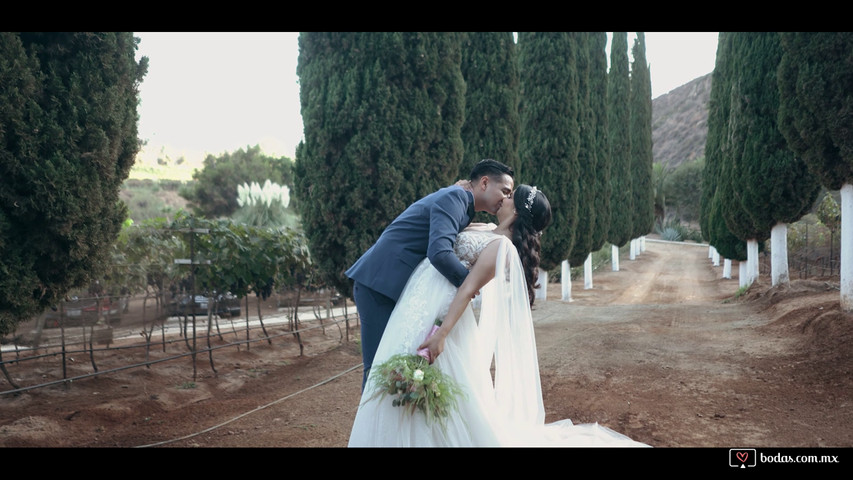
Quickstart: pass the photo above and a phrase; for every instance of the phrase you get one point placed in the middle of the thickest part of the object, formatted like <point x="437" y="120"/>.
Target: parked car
<point x="227" y="305"/>
<point x="78" y="311"/>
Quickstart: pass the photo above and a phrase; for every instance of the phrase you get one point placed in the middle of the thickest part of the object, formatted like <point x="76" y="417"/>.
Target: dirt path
<point x="664" y="358"/>
<point x="658" y="351"/>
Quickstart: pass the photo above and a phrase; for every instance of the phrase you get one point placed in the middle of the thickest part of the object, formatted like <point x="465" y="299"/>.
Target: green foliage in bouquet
<point x="416" y="385"/>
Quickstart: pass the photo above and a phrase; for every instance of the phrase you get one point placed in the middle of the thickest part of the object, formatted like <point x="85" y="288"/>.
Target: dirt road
<point x="659" y="350"/>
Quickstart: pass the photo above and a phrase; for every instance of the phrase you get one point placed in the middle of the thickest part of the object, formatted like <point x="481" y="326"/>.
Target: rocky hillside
<point x="680" y="123"/>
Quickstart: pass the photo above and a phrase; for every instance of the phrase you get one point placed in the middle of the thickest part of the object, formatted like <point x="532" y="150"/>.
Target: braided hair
<point x="534" y="214"/>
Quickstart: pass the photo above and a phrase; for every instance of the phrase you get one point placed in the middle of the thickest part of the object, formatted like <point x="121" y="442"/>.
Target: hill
<point x="680" y="123"/>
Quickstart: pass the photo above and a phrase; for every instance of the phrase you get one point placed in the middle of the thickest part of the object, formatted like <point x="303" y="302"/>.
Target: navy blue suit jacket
<point x="428" y="228"/>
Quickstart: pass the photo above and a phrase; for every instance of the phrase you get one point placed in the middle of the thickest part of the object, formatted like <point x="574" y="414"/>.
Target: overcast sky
<point x="218" y="92"/>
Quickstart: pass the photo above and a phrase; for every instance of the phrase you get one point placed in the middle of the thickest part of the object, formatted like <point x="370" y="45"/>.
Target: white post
<point x="587" y="272"/>
<point x="542" y="291"/>
<point x="566" y="280"/>
<point x="779" y="254"/>
<point x="727" y="268"/>
<point x="847" y="247"/>
<point x="614" y="257"/>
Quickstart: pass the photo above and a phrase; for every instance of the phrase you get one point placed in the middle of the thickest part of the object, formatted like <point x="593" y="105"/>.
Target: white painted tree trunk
<point x="742" y="280"/>
<point x="614" y="257"/>
<point x="587" y="272"/>
<point x="716" y="258"/>
<point x="711" y="251"/>
<point x="566" y="280"/>
<point x="727" y="268"/>
<point x="632" y="250"/>
<point x="779" y="254"/>
<point x="542" y="292"/>
<point x="751" y="261"/>
<point x="642" y="244"/>
<point x="847" y="247"/>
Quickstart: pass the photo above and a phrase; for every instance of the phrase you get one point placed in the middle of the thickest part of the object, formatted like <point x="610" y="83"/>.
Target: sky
<point x="217" y="92"/>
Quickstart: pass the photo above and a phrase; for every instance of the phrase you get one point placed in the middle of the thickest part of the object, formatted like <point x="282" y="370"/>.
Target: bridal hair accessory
<point x="530" y="196"/>
<point x="416" y="384"/>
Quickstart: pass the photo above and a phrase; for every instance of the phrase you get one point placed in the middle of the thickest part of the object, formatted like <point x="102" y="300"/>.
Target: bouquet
<point x="415" y="384"/>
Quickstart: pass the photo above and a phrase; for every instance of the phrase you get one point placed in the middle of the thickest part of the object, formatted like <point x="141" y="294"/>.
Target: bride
<point x="503" y="408"/>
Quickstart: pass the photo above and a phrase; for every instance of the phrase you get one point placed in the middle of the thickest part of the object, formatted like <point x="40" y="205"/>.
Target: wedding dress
<point x="501" y="410"/>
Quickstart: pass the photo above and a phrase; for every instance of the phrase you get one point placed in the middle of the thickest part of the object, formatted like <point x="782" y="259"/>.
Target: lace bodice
<point x="469" y="244"/>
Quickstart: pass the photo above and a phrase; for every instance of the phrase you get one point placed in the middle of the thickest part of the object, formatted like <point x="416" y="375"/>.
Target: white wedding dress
<point x="501" y="410"/>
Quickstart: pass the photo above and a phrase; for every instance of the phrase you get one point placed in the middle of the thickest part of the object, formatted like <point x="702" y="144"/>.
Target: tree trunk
<point x="751" y="261"/>
<point x="847" y="247"/>
<point x="614" y="257"/>
<point x="566" y="280"/>
<point x="542" y="291"/>
<point x="587" y="272"/>
<point x="779" y="254"/>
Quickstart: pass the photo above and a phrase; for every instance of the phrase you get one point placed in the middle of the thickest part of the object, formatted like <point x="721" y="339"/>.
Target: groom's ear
<point x="483" y="182"/>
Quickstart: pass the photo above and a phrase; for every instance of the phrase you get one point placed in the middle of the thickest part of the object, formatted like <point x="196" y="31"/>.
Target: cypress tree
<point x="382" y="116"/>
<point x="641" y="141"/>
<point x="587" y="159"/>
<point x="712" y="221"/>
<point x="734" y="165"/>
<point x="68" y="138"/>
<point x="549" y="143"/>
<point x="718" y="112"/>
<point x="816" y="93"/>
<point x="777" y="186"/>
<point x="491" y="128"/>
<point x="618" y="118"/>
<point x="598" y="108"/>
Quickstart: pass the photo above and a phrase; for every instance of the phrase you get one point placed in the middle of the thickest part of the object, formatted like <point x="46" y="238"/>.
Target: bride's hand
<point x="435" y="344"/>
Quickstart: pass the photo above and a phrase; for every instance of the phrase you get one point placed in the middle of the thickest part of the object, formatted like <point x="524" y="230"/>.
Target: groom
<point x="428" y="228"/>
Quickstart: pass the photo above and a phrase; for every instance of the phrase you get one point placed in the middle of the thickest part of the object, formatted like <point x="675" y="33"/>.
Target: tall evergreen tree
<point x="718" y="114"/>
<point x="618" y="118"/>
<point x="382" y="115"/>
<point x="711" y="219"/>
<point x="735" y="165"/>
<point x="598" y="107"/>
<point x="816" y="97"/>
<point x="68" y="138"/>
<point x="549" y="143"/>
<point x="777" y="186"/>
<point x="491" y="128"/>
<point x="587" y="159"/>
<point x="642" y="161"/>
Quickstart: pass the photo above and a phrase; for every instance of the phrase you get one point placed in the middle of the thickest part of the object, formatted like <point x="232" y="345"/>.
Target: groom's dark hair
<point x="490" y="168"/>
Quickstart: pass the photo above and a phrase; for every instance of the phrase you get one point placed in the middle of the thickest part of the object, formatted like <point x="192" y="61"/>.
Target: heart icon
<point x="742" y="456"/>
